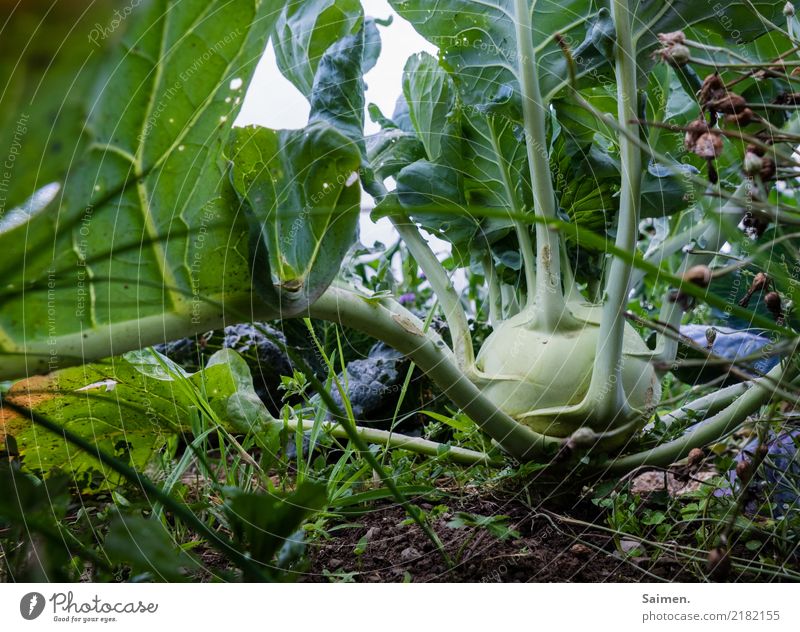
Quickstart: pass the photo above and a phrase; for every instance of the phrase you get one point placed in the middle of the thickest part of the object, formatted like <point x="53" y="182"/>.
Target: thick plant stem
<point x="606" y="376"/>
<point x="548" y="295"/>
<point x="708" y="405"/>
<point x="402" y="442"/>
<point x="453" y="310"/>
<point x="521" y="228"/>
<point x="397" y="327"/>
<point x="716" y="427"/>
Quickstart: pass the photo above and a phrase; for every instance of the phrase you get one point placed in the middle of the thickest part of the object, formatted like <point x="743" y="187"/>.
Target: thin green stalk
<point x="347" y="423"/>
<point x="606" y="376"/>
<point x="548" y="295"/>
<point x="672" y="245"/>
<point x="454" y="312"/>
<point x="707" y="405"/>
<point x="712" y="238"/>
<point x="522" y="229"/>
<point x="495" y="292"/>
<point x="716" y="427"/>
<point x="390" y="439"/>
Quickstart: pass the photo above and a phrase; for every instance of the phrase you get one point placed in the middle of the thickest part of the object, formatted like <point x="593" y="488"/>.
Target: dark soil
<point x="549" y="549"/>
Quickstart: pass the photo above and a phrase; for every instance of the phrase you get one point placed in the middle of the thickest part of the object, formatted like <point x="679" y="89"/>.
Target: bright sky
<point x="272" y="101"/>
<point x="290" y="109"/>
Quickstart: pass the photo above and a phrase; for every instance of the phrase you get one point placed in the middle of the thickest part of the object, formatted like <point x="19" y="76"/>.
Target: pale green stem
<point x="606" y="376"/>
<point x="510" y="301"/>
<point x="416" y="445"/>
<point x="703" y="406"/>
<point x="713" y="429"/>
<point x="668" y="341"/>
<point x="397" y="327"/>
<point x="548" y="295"/>
<point x="454" y="312"/>
<point x="521" y="228"/>
<point x="493" y="283"/>
<point x="571" y="291"/>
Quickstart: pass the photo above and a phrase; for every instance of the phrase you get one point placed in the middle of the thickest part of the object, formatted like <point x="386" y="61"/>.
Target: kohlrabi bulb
<point x="542" y="379"/>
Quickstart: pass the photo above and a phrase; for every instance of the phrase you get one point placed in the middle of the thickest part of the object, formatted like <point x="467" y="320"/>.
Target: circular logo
<point x="31" y="605"/>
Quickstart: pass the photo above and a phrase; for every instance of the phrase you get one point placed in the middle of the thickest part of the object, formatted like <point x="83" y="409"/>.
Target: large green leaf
<point x="145" y="235"/>
<point x="130" y="407"/>
<point x="430" y="97"/>
<point x="301" y="187"/>
<point x="477" y="39"/>
<point x="53" y="49"/>
<point x="305" y="31"/>
<point x="475" y="159"/>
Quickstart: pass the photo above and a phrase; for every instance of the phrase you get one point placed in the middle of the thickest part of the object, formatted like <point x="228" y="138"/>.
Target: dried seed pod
<point x="788" y="98"/>
<point x="674" y="37"/>
<point x="695" y="130"/>
<point x="743" y="118"/>
<point x="696" y="455"/>
<point x="753" y="163"/>
<point x="762" y="451"/>
<point x="708" y="146"/>
<point x="712" y="88"/>
<point x="744" y="470"/>
<point x="774" y="304"/>
<point x="719" y="564"/>
<point x="699" y="275"/>
<point x="767" y="172"/>
<point x="754" y="225"/>
<point x="758" y="150"/>
<point x="676" y="55"/>
<point x="711" y="336"/>
<point x="728" y="103"/>
<point x="760" y="281"/>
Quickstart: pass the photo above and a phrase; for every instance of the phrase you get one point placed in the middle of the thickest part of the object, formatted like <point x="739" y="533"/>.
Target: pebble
<point x="409" y="554"/>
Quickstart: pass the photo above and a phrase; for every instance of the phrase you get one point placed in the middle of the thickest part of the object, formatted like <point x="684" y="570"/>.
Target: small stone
<point x="409" y="554"/>
<point x="580" y="550"/>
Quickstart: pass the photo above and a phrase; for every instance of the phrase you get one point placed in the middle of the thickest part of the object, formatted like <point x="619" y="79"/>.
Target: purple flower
<point x="408" y="298"/>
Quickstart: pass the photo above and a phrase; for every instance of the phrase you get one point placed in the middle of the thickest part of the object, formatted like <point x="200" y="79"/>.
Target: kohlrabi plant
<point x="586" y="159"/>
